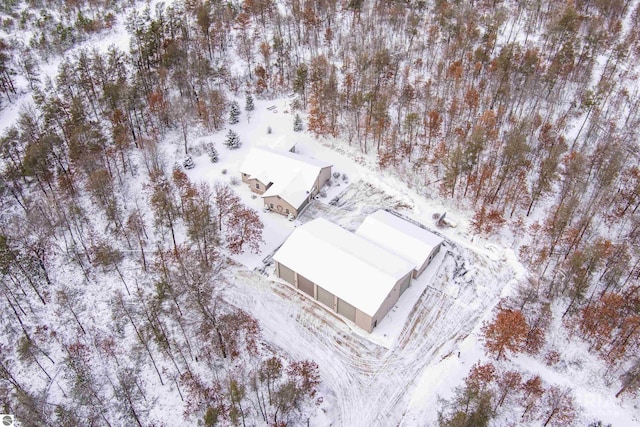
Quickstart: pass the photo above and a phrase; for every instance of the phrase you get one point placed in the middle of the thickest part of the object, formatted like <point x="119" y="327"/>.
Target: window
<point x="287" y="211"/>
<point x="375" y="323"/>
<point x="271" y="205"/>
<point x="257" y="185"/>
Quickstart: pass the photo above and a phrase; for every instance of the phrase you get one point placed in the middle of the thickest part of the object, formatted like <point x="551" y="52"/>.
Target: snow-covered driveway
<point x="364" y="383"/>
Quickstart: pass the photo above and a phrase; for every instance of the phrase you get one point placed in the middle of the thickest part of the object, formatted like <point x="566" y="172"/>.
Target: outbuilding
<point x="346" y="273"/>
<point x="405" y="239"/>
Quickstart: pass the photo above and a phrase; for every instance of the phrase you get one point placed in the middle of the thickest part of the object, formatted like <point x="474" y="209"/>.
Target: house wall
<point x="339" y="306"/>
<point x="257" y="186"/>
<point x="347" y="310"/>
<point x="322" y="179"/>
<point x="285" y="274"/>
<point x="304" y="203"/>
<point x="306" y="285"/>
<point x="326" y="297"/>
<point x="364" y="321"/>
<point x="405" y="285"/>
<point x="279" y="205"/>
<point x="391" y="299"/>
<point x="426" y="262"/>
<point x="260" y="189"/>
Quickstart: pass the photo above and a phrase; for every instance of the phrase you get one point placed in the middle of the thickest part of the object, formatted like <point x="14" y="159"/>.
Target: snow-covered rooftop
<point x="292" y="175"/>
<point x="343" y="263"/>
<point x="401" y="237"/>
<point x="278" y="143"/>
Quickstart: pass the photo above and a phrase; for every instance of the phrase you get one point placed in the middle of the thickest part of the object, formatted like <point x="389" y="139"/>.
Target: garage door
<point x="325" y="297"/>
<point x="305" y="285"/>
<point x="405" y="285"/>
<point x="347" y="310"/>
<point x="286" y="274"/>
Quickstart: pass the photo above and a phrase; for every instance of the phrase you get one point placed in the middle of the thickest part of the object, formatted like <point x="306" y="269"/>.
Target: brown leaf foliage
<point x="507" y="333"/>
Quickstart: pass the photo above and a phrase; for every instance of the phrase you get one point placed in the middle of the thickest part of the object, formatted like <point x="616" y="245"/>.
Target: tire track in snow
<point x="367" y="385"/>
<point x="413" y="355"/>
<point x="336" y="360"/>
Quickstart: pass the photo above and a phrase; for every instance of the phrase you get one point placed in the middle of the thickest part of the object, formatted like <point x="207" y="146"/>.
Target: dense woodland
<point x="524" y="113"/>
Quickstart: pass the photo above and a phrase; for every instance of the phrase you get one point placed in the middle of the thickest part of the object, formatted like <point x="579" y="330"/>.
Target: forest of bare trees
<point x="523" y="113"/>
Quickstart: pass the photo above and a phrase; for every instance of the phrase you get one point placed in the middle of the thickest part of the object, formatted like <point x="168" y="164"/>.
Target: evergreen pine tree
<point x="297" y="123"/>
<point x="234" y="113"/>
<point x="248" y="105"/>
<point x="212" y="153"/>
<point x="233" y="140"/>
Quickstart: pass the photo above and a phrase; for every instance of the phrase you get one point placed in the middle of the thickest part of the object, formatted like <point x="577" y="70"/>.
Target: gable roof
<point x="343" y="263"/>
<point x="292" y="176"/>
<point x="401" y="237"/>
<point x="278" y="143"/>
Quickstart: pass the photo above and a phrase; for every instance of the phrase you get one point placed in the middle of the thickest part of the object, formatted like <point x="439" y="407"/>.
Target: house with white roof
<point x="409" y="241"/>
<point x="287" y="181"/>
<point x="343" y="271"/>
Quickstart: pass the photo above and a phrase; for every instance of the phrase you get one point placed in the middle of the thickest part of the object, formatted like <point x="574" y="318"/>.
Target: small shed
<point x="342" y="271"/>
<point x="405" y="239"/>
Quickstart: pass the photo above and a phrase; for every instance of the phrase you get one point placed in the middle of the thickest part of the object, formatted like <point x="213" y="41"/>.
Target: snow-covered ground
<point x="430" y="339"/>
<point x="368" y="379"/>
<point x="427" y="343"/>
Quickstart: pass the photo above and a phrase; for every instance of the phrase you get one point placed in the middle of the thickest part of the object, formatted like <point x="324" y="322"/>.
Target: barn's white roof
<point x="401" y="237"/>
<point x="343" y="263"/>
<point x="292" y="175"/>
